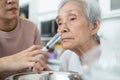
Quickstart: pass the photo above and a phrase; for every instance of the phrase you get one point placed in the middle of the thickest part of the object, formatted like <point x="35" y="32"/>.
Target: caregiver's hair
<point x="91" y="9"/>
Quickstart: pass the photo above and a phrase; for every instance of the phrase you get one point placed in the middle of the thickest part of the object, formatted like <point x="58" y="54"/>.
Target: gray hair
<point x="92" y="11"/>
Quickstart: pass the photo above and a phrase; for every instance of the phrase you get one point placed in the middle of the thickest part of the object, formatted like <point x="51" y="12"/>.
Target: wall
<point x="109" y="29"/>
<point x="42" y="10"/>
<point x="109" y="32"/>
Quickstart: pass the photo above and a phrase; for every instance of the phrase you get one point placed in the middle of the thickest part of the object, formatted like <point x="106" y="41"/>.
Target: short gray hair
<point x="92" y="10"/>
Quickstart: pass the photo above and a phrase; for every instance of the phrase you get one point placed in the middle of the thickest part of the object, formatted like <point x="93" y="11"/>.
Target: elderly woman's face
<point x="73" y="26"/>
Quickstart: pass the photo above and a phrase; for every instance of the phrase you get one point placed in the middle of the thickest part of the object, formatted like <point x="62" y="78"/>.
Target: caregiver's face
<point x="9" y="9"/>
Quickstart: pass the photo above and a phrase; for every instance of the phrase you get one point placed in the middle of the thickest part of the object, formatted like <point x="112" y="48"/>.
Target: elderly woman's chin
<point x="68" y="45"/>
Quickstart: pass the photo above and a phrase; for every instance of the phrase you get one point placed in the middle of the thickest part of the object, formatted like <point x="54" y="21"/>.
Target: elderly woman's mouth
<point x="66" y="39"/>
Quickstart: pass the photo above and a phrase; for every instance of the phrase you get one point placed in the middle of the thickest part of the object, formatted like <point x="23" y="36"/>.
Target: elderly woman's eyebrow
<point x="66" y="11"/>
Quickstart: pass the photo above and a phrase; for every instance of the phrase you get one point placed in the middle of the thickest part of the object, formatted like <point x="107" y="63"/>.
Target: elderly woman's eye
<point x="59" y="24"/>
<point x="73" y="18"/>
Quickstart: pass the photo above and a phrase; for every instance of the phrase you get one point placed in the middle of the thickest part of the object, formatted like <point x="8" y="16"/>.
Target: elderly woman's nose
<point x="10" y="1"/>
<point x="62" y="29"/>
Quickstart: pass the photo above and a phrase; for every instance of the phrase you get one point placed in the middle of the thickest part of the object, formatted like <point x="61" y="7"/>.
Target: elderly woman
<point x="78" y="22"/>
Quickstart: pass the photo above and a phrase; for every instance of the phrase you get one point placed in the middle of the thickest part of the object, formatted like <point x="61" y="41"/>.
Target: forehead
<point x="71" y="6"/>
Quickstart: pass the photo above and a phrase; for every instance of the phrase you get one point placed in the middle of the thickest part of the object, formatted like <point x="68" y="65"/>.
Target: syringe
<point x="51" y="43"/>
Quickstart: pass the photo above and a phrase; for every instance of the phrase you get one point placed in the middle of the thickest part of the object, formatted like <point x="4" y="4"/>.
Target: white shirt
<point x="69" y="61"/>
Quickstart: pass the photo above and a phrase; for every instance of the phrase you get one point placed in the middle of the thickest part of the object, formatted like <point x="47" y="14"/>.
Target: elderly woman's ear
<point x="94" y="27"/>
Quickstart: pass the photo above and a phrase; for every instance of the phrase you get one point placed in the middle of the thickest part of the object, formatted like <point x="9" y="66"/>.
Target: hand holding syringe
<point x="50" y="44"/>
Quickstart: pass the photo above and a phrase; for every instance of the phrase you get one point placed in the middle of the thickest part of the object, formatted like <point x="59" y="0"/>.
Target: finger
<point x="37" y="52"/>
<point x="30" y="64"/>
<point x="34" y="47"/>
<point x="46" y="68"/>
<point x="40" y="62"/>
<point x="34" y="69"/>
<point x="27" y="65"/>
<point x="38" y="67"/>
<point x="33" y="59"/>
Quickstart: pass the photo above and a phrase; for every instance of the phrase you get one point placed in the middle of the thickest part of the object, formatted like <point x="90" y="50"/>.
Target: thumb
<point x="32" y="48"/>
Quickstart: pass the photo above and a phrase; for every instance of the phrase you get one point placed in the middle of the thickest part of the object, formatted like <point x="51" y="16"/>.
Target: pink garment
<point x="23" y="36"/>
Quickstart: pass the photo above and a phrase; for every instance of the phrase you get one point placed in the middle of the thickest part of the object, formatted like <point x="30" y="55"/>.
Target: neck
<point x="86" y="47"/>
<point x="8" y="25"/>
